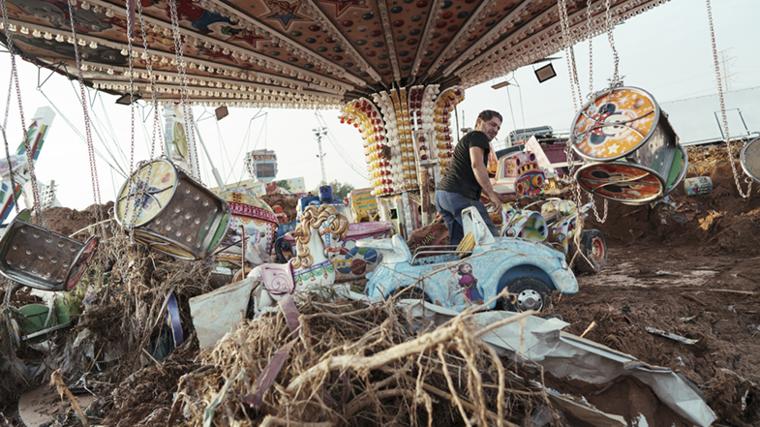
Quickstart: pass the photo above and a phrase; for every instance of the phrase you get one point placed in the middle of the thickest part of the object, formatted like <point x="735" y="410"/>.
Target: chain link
<point x="140" y="191"/>
<point x="25" y="131"/>
<point x="567" y="38"/>
<point x="724" y="116"/>
<point x="590" y="49"/>
<point x="86" y="113"/>
<point x="130" y="70"/>
<point x="615" y="81"/>
<point x="152" y="82"/>
<point x="186" y="110"/>
<point x="10" y="170"/>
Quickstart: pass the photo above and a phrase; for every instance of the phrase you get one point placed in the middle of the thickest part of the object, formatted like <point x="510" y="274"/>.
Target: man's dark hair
<point x="487" y="115"/>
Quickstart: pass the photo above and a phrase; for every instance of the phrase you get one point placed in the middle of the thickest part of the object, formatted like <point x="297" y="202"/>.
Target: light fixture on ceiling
<point x="500" y="85"/>
<point x="125" y="99"/>
<point x="221" y="112"/>
<point x="545" y="73"/>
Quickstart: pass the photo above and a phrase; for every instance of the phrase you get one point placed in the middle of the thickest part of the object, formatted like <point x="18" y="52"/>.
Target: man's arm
<point x="481" y="175"/>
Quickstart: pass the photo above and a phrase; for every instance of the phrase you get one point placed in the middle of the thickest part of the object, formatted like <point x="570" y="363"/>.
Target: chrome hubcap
<point x="529" y="299"/>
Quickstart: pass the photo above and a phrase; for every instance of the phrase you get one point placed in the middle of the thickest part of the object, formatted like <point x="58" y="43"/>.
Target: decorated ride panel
<point x="621" y="182"/>
<point x="750" y="159"/>
<point x="171" y="212"/>
<point x="519" y="173"/>
<point x="253" y="220"/>
<point x="43" y="259"/>
<point x="523" y="224"/>
<point x="616" y="123"/>
<point x="350" y="261"/>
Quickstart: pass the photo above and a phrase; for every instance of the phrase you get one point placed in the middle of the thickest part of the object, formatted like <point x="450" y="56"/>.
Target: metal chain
<point x="152" y="82"/>
<point x="611" y="39"/>
<point x="5" y="138"/>
<point x="724" y="116"/>
<point x="130" y="70"/>
<point x="569" y="54"/>
<point x="141" y="191"/>
<point x="600" y="219"/>
<point x="85" y="112"/>
<point x="25" y="132"/>
<point x="181" y="70"/>
<point x="10" y="170"/>
<point x="590" y="49"/>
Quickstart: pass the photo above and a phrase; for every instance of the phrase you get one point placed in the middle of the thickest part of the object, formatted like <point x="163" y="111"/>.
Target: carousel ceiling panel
<point x="299" y="52"/>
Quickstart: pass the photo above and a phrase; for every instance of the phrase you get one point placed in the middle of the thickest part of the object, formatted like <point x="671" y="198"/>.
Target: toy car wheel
<point x="527" y="293"/>
<point x="594" y="251"/>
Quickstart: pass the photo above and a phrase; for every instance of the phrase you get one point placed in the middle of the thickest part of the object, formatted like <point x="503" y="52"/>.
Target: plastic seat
<point x="42" y="259"/>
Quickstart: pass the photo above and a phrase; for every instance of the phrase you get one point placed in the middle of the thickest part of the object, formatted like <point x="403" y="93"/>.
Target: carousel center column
<point x="408" y="145"/>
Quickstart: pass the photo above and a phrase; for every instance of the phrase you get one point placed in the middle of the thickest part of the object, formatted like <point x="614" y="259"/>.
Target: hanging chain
<point x="611" y="39"/>
<point x="5" y="139"/>
<point x="86" y="113"/>
<point x="181" y="70"/>
<point x="152" y="82"/>
<point x="10" y="171"/>
<point x="724" y="116"/>
<point x="25" y="132"/>
<point x="140" y="191"/>
<point x="572" y="70"/>
<point x="590" y="49"/>
<point x="573" y="76"/>
<point x="130" y="71"/>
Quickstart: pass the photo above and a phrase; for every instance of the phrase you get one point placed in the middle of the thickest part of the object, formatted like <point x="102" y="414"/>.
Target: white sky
<point x="665" y="50"/>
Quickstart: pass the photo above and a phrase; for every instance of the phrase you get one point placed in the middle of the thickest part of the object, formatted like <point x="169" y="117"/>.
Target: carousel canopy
<point x="296" y="53"/>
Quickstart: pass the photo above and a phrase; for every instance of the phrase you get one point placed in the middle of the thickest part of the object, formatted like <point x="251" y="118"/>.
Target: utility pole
<point x="319" y="132"/>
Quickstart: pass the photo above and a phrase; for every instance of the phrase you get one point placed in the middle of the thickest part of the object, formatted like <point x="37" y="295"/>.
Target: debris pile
<point x="719" y="222"/>
<point x="350" y="361"/>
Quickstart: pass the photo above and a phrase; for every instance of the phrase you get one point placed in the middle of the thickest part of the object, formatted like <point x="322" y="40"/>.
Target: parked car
<point x="449" y="277"/>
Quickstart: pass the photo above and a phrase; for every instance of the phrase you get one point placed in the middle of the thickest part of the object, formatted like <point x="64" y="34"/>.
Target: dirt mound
<point x="67" y="221"/>
<point x="720" y="222"/>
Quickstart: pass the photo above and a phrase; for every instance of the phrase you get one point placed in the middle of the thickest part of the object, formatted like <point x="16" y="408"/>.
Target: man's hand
<point x="494" y="201"/>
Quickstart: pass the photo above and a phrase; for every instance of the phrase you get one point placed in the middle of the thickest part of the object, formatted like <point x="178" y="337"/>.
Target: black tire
<point x="593" y="256"/>
<point x="526" y="293"/>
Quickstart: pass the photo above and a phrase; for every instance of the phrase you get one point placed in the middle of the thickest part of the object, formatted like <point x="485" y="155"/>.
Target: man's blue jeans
<point x="450" y="206"/>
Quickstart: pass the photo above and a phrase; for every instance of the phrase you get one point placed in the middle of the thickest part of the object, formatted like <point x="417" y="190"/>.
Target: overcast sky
<point x="666" y="51"/>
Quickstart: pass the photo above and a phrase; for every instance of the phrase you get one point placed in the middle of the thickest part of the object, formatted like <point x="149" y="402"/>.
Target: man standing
<point x="467" y="177"/>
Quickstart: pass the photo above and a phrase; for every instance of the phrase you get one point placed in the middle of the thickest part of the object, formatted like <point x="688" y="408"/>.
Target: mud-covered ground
<point x="690" y="266"/>
<point x="712" y="298"/>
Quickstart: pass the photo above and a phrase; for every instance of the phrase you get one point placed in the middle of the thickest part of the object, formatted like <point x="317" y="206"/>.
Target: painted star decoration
<point x="285" y="12"/>
<point x="342" y="5"/>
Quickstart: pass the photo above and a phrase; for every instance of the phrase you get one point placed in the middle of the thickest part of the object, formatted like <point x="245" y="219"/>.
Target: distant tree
<point x="284" y="184"/>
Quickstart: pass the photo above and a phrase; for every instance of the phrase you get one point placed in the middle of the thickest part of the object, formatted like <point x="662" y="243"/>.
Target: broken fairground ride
<point x="150" y="314"/>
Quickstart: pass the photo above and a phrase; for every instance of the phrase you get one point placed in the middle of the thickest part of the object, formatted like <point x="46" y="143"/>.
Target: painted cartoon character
<point x="469" y="283"/>
<point x="609" y="123"/>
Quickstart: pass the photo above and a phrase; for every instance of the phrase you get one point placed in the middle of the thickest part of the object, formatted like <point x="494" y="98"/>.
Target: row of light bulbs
<point x="365" y="116"/>
<point x="403" y="165"/>
<point x="289" y="71"/>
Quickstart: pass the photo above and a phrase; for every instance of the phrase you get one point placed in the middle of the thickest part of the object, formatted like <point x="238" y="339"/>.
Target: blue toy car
<point x="443" y="275"/>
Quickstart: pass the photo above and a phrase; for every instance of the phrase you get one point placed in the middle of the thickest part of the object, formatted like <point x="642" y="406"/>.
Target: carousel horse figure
<point x="310" y="268"/>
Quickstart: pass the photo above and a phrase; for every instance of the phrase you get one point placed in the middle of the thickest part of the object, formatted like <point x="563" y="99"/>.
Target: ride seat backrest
<point x="473" y="223"/>
<point x="392" y="249"/>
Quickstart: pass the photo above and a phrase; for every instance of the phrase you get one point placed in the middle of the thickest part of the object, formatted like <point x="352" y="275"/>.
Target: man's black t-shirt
<point x="460" y="177"/>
